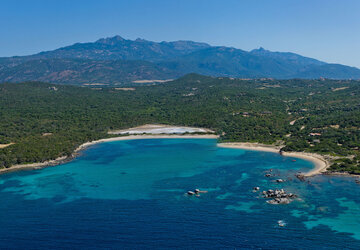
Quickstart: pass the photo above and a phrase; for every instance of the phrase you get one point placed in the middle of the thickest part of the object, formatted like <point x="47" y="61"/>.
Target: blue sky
<point x="328" y="30"/>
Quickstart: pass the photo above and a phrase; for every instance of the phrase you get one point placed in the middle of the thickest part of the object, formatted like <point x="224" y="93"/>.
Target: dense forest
<point x="45" y="121"/>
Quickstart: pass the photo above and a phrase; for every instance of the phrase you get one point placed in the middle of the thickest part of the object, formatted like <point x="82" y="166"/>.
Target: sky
<point x="328" y="30"/>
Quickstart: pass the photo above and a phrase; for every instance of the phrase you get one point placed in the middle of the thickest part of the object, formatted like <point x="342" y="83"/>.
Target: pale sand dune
<point x="160" y="129"/>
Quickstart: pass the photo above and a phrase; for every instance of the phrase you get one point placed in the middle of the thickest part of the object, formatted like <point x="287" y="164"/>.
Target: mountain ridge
<point x="127" y="60"/>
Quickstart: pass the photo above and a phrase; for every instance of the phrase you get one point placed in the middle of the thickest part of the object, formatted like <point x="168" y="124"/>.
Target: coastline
<point x="138" y="137"/>
<point x="63" y="159"/>
<point x="37" y="165"/>
<point x="319" y="161"/>
<point x="250" y="146"/>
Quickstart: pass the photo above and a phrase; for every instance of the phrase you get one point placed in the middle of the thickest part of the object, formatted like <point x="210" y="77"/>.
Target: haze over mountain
<point x="117" y="60"/>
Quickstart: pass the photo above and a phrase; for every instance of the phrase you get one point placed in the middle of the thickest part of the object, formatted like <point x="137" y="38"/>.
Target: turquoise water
<point x="131" y="194"/>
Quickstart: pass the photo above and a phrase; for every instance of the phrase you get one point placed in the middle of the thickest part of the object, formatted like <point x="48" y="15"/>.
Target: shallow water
<point x="130" y="194"/>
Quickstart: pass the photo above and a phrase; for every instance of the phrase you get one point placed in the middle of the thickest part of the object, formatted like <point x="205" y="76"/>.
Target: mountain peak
<point x="111" y="40"/>
<point x="139" y="40"/>
<point x="259" y="50"/>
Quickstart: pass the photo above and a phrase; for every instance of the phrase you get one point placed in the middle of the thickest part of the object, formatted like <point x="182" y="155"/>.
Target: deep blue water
<point x="130" y="194"/>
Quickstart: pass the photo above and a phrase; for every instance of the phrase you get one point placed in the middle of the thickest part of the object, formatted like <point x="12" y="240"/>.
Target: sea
<point x="132" y="195"/>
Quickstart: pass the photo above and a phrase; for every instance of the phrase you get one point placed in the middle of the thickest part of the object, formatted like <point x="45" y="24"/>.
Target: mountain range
<point x="117" y="60"/>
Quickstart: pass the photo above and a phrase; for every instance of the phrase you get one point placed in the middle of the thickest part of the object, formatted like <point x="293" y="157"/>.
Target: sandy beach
<point x="321" y="164"/>
<point x="250" y="146"/>
<point x="138" y="137"/>
<point x="319" y="161"/>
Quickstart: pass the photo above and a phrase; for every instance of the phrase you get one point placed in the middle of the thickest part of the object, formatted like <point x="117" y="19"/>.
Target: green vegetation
<point x="351" y="166"/>
<point x="82" y="71"/>
<point x="47" y="121"/>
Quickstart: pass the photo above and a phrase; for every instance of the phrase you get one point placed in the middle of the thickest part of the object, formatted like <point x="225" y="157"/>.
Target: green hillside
<point x="327" y="114"/>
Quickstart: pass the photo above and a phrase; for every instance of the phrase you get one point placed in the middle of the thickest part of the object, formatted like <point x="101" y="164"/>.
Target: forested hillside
<point x="80" y="71"/>
<point x="45" y="121"/>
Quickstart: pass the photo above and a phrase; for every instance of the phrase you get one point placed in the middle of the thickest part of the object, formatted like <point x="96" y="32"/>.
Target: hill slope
<point x="81" y="71"/>
<point x="46" y="121"/>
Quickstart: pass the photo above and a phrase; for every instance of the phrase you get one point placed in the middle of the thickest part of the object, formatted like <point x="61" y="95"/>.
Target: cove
<point x="131" y="194"/>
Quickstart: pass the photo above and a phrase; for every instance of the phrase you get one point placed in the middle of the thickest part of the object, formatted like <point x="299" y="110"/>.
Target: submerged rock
<point x="301" y="177"/>
<point x="279" y="201"/>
